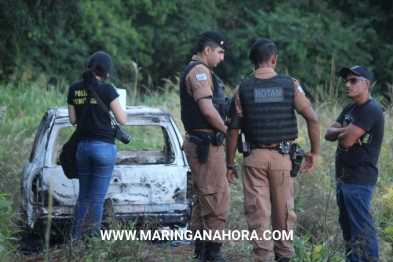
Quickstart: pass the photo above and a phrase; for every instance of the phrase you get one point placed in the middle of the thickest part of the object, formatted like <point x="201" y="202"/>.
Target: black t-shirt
<point x="97" y="124"/>
<point x="357" y="164"/>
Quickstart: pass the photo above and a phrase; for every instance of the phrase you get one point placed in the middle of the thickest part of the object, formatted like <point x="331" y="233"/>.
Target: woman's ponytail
<point x="89" y="79"/>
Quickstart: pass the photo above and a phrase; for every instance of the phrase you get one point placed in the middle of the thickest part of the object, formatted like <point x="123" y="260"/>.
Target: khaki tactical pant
<point x="268" y="194"/>
<point x="210" y="189"/>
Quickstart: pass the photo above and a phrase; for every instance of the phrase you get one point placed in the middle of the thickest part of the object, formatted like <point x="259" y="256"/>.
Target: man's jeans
<point x="354" y="204"/>
<point x="95" y="161"/>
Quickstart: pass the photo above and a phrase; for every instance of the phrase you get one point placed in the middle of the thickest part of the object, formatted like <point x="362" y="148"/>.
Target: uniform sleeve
<point x="70" y="97"/>
<point x="238" y="103"/>
<point x="233" y="120"/>
<point x="111" y="93"/>
<point x="199" y="82"/>
<point x="300" y="99"/>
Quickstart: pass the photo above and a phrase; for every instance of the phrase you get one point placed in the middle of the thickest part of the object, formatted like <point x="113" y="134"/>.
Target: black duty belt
<point x="282" y="147"/>
<point x="198" y="133"/>
<point x="217" y="138"/>
<point x="256" y="146"/>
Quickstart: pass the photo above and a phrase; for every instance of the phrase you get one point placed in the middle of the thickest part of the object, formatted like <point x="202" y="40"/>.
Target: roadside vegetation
<point x="49" y="41"/>
<point x="317" y="234"/>
<point x="45" y="44"/>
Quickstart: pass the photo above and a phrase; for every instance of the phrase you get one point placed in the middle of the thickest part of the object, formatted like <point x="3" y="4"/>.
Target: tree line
<point x="150" y="40"/>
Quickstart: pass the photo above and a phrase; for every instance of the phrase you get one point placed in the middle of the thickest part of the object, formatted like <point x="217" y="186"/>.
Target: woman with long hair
<point x="96" y="154"/>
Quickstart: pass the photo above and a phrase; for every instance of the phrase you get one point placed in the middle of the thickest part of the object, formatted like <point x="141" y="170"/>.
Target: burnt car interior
<point x="150" y="144"/>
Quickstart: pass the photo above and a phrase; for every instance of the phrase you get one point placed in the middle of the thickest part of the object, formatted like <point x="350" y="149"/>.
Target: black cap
<point x="215" y="37"/>
<point x="100" y="62"/>
<point x="263" y="42"/>
<point x="357" y="70"/>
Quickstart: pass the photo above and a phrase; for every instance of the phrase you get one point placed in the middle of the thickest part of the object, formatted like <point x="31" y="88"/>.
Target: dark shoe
<point x="282" y="259"/>
<point x="198" y="257"/>
<point x="213" y="253"/>
<point x="199" y="250"/>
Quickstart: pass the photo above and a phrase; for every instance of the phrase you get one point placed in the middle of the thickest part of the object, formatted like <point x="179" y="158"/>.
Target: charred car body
<point x="151" y="180"/>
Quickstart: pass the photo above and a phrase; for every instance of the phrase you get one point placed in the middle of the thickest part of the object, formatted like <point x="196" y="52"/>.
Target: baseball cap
<point x="259" y="44"/>
<point x="357" y="70"/>
<point x="215" y="37"/>
<point x="100" y="62"/>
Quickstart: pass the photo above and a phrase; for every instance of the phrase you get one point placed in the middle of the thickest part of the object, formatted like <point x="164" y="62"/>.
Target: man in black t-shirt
<point x="359" y="130"/>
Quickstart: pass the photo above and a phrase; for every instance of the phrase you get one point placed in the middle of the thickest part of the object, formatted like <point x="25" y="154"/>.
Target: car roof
<point x="130" y="110"/>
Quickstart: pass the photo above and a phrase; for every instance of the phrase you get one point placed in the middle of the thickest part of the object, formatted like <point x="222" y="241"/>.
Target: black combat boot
<point x="199" y="247"/>
<point x="199" y="250"/>
<point x="213" y="253"/>
<point x="282" y="259"/>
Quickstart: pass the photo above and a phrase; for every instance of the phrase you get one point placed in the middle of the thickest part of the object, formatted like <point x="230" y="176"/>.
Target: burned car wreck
<point x="151" y="180"/>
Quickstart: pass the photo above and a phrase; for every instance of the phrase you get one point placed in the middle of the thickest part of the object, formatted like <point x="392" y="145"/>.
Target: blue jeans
<point x="356" y="222"/>
<point x="95" y="161"/>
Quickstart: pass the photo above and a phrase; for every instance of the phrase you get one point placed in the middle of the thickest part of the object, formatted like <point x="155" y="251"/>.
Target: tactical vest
<point x="191" y="116"/>
<point x="268" y="109"/>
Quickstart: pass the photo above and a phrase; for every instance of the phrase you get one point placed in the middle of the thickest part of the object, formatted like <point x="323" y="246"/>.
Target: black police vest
<point x="268" y="109"/>
<point x="191" y="116"/>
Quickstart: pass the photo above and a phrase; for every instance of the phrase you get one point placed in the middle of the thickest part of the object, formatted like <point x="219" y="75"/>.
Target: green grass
<point x="318" y="237"/>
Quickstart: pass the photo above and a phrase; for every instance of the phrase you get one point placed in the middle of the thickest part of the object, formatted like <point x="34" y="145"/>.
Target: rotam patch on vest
<point x="269" y="95"/>
<point x="200" y="77"/>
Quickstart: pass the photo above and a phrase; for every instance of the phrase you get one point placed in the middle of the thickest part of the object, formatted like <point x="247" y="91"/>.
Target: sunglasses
<point x="353" y="80"/>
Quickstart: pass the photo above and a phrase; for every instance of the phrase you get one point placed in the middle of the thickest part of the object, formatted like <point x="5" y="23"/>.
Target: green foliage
<point x="309" y="36"/>
<point x="143" y="138"/>
<point x="44" y="39"/>
<point x="52" y="41"/>
<point x="24" y="105"/>
<point x="21" y="110"/>
<point x="13" y="20"/>
<point x="372" y="15"/>
<point x="7" y="230"/>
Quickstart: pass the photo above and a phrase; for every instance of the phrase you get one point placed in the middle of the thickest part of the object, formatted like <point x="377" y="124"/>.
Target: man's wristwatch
<point x="231" y="167"/>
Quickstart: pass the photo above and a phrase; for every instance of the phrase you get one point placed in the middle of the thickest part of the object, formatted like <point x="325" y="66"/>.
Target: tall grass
<point x="318" y="237"/>
<point x="21" y="109"/>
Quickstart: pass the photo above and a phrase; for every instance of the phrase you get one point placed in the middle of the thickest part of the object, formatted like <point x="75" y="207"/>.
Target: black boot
<point x="199" y="246"/>
<point x="282" y="259"/>
<point x="213" y="253"/>
<point x="199" y="250"/>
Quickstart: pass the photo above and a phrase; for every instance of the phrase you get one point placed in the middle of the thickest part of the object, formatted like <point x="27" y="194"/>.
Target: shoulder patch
<point x="300" y="89"/>
<point x="201" y="77"/>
